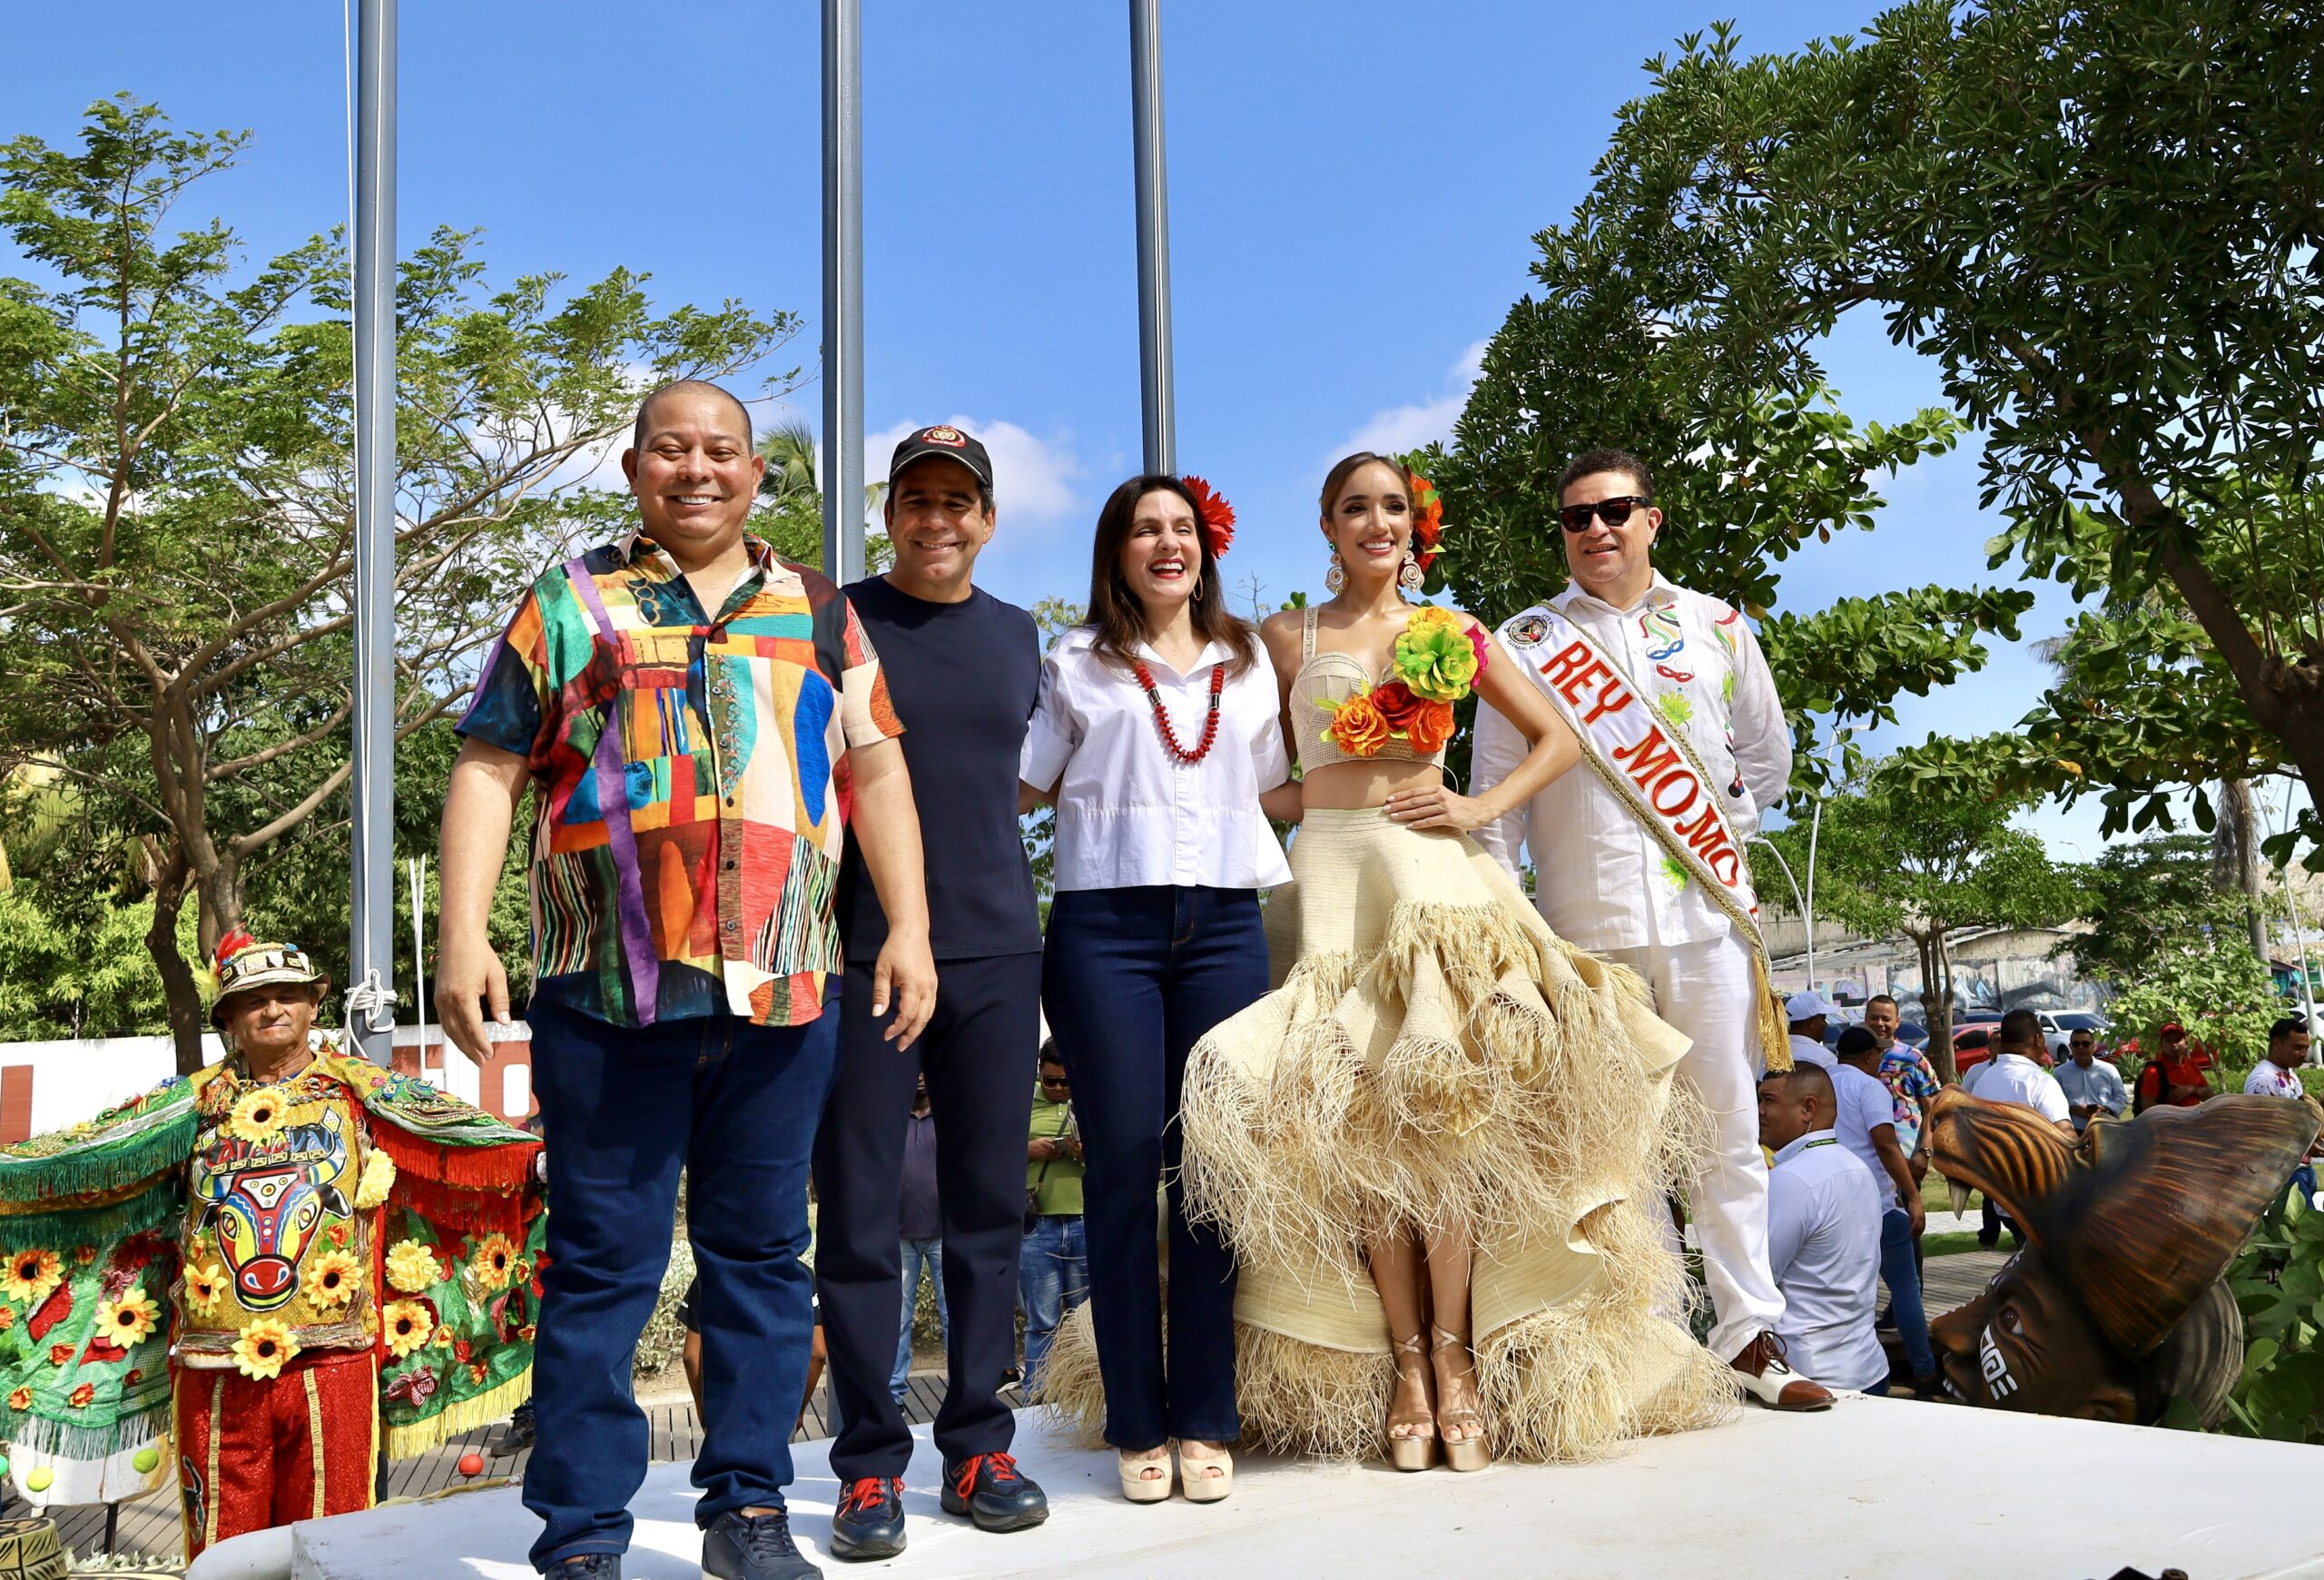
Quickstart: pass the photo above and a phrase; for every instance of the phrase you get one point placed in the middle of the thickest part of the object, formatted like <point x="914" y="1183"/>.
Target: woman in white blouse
<point x="1156" y="737"/>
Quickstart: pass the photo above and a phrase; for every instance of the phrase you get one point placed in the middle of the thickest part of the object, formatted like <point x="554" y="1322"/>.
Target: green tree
<point x="2098" y="220"/>
<point x="2210" y="983"/>
<point x="1896" y="858"/>
<point x="176" y="528"/>
<point x="791" y="518"/>
<point x="2144" y="899"/>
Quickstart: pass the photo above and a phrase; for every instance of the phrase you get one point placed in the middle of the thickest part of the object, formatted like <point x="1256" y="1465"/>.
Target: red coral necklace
<point x="1162" y="715"/>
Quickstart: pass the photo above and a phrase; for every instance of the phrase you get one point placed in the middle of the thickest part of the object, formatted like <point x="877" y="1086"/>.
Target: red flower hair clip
<point x="1217" y="515"/>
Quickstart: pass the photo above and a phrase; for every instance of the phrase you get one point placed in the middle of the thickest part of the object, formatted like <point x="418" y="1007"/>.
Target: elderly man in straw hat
<point x="346" y="1251"/>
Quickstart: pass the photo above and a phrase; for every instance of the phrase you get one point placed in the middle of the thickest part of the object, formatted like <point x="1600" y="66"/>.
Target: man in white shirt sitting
<point x="2011" y="1075"/>
<point x="1810" y="1014"/>
<point x="1866" y="1122"/>
<point x="1824" y="1213"/>
<point x="2278" y="1075"/>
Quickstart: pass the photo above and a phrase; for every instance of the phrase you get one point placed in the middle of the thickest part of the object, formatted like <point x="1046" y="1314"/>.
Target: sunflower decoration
<point x="258" y="1117"/>
<point x="408" y="1326"/>
<point x="331" y="1283"/>
<point x="379" y="1178"/>
<point x="129" y="1316"/>
<point x="263" y="1349"/>
<point x="31" y="1275"/>
<point x="411" y="1268"/>
<point x="495" y="1261"/>
<point x="205" y="1286"/>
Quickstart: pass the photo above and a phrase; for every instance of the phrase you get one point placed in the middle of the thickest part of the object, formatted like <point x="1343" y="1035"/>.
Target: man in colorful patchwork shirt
<point x="700" y="723"/>
<point x="266" y="1199"/>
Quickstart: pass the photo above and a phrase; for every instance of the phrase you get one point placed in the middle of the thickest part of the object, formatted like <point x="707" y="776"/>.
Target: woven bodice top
<point x="1333" y="678"/>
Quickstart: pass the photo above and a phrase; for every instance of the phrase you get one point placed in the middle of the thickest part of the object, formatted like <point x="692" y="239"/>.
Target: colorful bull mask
<point x="264" y="1201"/>
<point x="2116" y="1305"/>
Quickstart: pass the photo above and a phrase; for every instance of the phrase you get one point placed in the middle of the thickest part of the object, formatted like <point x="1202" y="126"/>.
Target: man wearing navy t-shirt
<point x="962" y="668"/>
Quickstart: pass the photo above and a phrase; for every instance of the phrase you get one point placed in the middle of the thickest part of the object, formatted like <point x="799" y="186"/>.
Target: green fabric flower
<point x="1434" y="657"/>
<point x="1676" y="708"/>
<point x="1675" y="871"/>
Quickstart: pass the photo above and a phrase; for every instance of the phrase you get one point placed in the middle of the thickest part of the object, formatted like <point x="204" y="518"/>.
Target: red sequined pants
<point x="253" y="1454"/>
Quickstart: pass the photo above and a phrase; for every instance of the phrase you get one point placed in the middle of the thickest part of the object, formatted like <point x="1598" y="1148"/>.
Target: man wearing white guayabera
<point x="1640" y="859"/>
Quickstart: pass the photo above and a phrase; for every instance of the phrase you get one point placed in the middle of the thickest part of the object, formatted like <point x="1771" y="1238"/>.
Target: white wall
<point x="77" y="1079"/>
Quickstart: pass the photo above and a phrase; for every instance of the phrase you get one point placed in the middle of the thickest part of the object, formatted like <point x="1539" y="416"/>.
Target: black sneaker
<point x="869" y="1523"/>
<point x="517" y="1436"/>
<point x="744" y="1546"/>
<point x="993" y="1493"/>
<point x="589" y="1567"/>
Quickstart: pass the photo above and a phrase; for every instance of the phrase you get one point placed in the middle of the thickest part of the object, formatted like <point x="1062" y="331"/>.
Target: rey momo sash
<point x="1654" y="775"/>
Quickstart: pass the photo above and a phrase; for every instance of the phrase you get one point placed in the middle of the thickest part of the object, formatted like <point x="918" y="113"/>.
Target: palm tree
<point x="794" y="492"/>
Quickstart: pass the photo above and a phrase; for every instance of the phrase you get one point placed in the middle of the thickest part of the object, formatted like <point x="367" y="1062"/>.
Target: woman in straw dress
<point x="1438" y="1147"/>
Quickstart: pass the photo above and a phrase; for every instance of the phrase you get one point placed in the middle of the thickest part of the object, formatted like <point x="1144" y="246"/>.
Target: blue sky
<point x="1352" y="198"/>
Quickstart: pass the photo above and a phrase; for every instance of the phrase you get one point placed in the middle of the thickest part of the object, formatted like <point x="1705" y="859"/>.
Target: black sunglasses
<point x="1613" y="512"/>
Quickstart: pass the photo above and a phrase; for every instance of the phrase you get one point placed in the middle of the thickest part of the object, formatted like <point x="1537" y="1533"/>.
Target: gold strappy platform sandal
<point x="1416" y="1450"/>
<point x="1468" y="1453"/>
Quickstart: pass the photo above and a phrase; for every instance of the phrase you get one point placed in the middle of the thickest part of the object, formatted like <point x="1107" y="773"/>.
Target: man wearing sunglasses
<point x="1641" y="862"/>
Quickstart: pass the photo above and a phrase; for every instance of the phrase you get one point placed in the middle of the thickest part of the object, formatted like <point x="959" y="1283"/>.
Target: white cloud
<point x="1032" y="478"/>
<point x="1402" y="427"/>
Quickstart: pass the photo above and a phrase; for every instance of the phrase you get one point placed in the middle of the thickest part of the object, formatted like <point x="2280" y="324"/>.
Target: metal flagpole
<point x="842" y="290"/>
<point x="370" y="1003"/>
<point x="1161" y="425"/>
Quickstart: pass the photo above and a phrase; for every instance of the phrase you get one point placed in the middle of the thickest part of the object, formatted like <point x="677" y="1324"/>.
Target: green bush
<point x="2278" y="1282"/>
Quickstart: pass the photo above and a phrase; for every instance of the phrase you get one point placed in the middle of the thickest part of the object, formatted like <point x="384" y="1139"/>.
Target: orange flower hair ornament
<point x="1428" y="517"/>
<point x="1217" y="515"/>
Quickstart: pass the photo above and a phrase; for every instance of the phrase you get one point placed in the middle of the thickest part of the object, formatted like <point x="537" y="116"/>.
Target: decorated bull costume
<point x="346" y="1260"/>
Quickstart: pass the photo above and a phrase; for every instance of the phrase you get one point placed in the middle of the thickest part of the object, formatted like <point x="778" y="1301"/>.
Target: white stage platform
<point x="1883" y="1489"/>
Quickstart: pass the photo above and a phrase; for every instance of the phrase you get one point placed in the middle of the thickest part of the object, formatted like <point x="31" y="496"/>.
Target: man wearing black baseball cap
<point x="962" y="668"/>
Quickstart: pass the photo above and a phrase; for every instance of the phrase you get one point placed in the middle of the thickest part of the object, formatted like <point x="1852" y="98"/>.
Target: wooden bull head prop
<point x="2115" y="1304"/>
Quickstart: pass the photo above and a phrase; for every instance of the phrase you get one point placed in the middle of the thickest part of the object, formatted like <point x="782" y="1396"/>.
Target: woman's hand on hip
<point x="1435" y="807"/>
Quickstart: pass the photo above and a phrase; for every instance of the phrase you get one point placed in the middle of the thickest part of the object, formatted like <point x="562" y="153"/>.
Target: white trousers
<point x="1707" y="990"/>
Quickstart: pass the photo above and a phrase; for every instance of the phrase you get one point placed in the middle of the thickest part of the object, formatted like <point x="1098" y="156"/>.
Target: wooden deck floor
<point x="150" y="1524"/>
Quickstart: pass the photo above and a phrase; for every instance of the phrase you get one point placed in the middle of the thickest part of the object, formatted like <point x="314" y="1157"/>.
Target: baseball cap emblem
<point x="950" y="437"/>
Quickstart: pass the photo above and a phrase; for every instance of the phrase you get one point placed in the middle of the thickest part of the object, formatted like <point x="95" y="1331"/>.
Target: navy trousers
<point x="1131" y="979"/>
<point x="979" y="1053"/>
<point x="622" y="1111"/>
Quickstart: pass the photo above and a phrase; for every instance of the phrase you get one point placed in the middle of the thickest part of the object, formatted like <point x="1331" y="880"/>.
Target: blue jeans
<point x="1902" y="1276"/>
<point x="918" y="1254"/>
<point x="1053" y="1277"/>
<point x="735" y="1105"/>
<point x="1132" y="978"/>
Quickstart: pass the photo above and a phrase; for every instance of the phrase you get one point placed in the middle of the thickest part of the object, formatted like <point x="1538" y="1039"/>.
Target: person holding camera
<point x="1053" y="1270"/>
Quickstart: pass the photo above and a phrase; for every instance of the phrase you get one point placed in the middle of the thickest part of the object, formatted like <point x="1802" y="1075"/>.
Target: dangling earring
<point x="1198" y="590"/>
<point x="1335" y="578"/>
<point x="1410" y="577"/>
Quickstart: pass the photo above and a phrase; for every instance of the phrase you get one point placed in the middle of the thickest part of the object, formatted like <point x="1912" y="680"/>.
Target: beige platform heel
<point x="1139" y="1488"/>
<point x="1416" y="1449"/>
<point x="1468" y="1453"/>
<point x="1200" y="1486"/>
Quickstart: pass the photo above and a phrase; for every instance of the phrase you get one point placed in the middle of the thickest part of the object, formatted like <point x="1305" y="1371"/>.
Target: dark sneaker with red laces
<point x="992" y="1492"/>
<point x="869" y="1523"/>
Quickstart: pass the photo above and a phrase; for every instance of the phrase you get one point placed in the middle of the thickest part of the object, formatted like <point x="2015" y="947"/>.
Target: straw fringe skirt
<point x="1432" y="1054"/>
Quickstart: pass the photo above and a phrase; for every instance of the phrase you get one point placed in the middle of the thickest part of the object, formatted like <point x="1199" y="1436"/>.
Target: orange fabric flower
<point x="1358" y="727"/>
<point x="1431" y="727"/>
<point x="58" y="1353"/>
<point x="22" y="1400"/>
<point x="80" y="1396"/>
<point x="1396" y="704"/>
